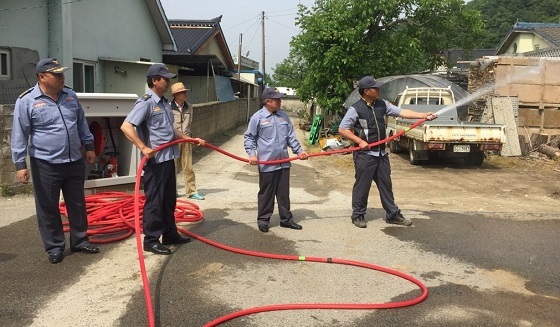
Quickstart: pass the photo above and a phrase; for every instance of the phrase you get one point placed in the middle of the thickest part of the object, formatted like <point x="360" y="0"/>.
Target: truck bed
<point x="446" y="128"/>
<point x="453" y="131"/>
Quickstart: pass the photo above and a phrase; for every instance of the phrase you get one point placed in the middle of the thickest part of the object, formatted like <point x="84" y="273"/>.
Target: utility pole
<point x="263" y="61"/>
<point x="239" y="57"/>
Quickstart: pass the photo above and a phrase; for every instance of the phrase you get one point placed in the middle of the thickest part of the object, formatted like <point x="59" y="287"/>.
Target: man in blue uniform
<point x="50" y="126"/>
<point x="364" y="123"/>
<point x="147" y="126"/>
<point x="268" y="136"/>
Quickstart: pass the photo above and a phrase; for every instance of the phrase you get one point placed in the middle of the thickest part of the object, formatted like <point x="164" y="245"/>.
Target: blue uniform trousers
<point x="48" y="180"/>
<point x="274" y="184"/>
<point x="369" y="168"/>
<point x="160" y="186"/>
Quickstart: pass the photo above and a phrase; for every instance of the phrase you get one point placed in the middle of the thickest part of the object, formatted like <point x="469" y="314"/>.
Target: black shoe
<point x="359" y="222"/>
<point x="179" y="240"/>
<point x="263" y="228"/>
<point x="156" y="248"/>
<point x="56" y="257"/>
<point x="86" y="249"/>
<point x="399" y="219"/>
<point x="291" y="225"/>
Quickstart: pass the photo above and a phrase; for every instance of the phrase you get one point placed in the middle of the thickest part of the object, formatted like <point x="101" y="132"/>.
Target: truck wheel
<point x="413" y="156"/>
<point x="474" y="159"/>
<point x="394" y="146"/>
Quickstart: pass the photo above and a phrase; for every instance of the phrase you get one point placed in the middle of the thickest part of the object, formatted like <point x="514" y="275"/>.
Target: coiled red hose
<point x="110" y="213"/>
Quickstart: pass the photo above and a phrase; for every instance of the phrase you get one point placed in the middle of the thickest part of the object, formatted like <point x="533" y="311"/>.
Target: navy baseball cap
<point x="271" y="93"/>
<point x="49" y="65"/>
<point x="159" y="70"/>
<point x="369" y="82"/>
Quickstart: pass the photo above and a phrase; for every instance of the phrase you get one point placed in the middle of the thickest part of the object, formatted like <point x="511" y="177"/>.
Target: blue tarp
<point x="223" y="88"/>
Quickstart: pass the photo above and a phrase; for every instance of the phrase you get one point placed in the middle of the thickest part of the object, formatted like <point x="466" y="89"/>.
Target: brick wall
<point x="210" y="121"/>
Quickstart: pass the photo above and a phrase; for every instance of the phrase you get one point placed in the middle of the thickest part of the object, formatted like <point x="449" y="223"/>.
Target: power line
<point x="252" y="25"/>
<point x="282" y="10"/>
<point x="252" y="37"/>
<point x="257" y="16"/>
<point x="293" y="29"/>
<point x="291" y="14"/>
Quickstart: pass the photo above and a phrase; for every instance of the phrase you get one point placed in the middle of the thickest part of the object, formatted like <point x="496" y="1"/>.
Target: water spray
<point x="492" y="86"/>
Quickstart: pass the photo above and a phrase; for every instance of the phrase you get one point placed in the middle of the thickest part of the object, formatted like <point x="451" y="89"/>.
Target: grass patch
<point x="7" y="191"/>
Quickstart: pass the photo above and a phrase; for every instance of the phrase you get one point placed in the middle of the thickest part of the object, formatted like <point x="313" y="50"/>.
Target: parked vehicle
<point x="445" y="137"/>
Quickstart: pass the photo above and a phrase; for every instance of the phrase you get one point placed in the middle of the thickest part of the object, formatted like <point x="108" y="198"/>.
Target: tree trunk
<point x="555" y="142"/>
<point x="552" y="153"/>
<point x="537" y="140"/>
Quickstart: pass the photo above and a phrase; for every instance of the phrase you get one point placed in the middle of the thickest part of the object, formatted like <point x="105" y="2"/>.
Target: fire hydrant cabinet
<point x="117" y="159"/>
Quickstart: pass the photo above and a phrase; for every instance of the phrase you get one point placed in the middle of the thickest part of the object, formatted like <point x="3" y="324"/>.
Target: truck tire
<point x="413" y="156"/>
<point x="474" y="159"/>
<point x="394" y="146"/>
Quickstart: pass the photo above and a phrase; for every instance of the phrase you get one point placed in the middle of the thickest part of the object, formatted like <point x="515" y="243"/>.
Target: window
<point x="84" y="77"/>
<point x="5" y="64"/>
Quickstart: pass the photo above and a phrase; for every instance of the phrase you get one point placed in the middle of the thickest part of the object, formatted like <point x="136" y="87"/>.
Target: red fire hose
<point x="114" y="216"/>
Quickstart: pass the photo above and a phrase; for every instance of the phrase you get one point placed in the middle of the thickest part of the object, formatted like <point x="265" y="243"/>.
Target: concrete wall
<point x="201" y="88"/>
<point x="25" y="27"/>
<point x="292" y="103"/>
<point x="118" y="29"/>
<point x="82" y="31"/>
<point x="210" y="121"/>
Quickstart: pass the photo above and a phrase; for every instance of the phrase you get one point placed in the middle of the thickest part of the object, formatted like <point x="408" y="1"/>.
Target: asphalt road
<point x="482" y="267"/>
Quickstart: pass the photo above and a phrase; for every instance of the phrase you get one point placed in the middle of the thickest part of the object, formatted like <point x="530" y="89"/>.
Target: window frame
<point x="7" y="74"/>
<point x="83" y="83"/>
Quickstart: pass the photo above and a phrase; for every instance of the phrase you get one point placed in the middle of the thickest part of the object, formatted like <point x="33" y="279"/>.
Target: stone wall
<point x="7" y="169"/>
<point x="210" y="121"/>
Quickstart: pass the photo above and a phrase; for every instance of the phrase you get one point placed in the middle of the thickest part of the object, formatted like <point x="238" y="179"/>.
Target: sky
<point x="244" y="17"/>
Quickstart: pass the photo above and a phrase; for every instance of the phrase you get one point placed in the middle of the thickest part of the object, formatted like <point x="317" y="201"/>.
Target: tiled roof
<point x="190" y="35"/>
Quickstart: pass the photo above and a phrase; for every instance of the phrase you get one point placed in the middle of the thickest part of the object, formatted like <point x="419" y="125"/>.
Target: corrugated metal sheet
<point x="393" y="85"/>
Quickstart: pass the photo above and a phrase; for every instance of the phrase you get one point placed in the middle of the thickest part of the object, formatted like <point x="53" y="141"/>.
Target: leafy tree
<point x="269" y="80"/>
<point x="289" y="73"/>
<point x="343" y="40"/>
<point x="499" y="16"/>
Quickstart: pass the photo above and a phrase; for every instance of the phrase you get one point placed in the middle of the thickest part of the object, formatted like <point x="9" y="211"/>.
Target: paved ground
<point x="484" y="241"/>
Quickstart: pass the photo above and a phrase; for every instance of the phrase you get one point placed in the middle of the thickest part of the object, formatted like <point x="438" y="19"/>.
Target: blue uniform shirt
<point x="153" y="119"/>
<point x="351" y="117"/>
<point x="270" y="135"/>
<point x="49" y="130"/>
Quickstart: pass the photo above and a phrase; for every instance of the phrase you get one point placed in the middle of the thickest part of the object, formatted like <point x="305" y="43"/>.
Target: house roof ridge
<point x="195" y="22"/>
<point x="529" y="25"/>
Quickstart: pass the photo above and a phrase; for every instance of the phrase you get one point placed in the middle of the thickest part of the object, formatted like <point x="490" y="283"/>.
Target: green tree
<point x="270" y="80"/>
<point x="289" y="72"/>
<point x="499" y="16"/>
<point x="343" y="40"/>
